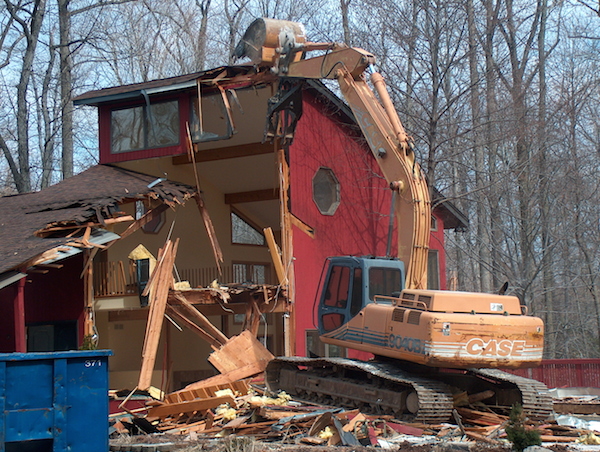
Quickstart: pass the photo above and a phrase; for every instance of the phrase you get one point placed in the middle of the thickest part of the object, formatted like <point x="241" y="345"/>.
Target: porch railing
<point x="118" y="278"/>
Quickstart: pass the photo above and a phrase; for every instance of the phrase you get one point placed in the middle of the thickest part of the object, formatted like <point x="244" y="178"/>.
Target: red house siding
<point x="56" y="296"/>
<point x="436" y="242"/>
<point x="358" y="227"/>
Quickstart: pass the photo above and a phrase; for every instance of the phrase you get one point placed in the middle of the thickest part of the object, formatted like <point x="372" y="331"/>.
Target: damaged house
<point x="254" y="180"/>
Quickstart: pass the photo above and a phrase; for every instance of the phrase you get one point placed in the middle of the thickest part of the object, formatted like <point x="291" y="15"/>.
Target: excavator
<point x="433" y="349"/>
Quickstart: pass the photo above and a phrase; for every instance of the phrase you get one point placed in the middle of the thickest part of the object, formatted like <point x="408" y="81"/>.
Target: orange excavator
<point x="433" y="349"/>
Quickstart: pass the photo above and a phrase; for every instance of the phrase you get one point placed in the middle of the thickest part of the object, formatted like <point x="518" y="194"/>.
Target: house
<point x="236" y="164"/>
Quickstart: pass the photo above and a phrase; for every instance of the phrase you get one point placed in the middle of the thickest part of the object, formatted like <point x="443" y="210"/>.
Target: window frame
<point x="145" y="125"/>
<point x="236" y="212"/>
<point x="337" y="189"/>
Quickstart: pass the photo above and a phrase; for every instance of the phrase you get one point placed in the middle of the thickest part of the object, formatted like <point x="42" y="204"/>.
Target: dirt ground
<point x="247" y="444"/>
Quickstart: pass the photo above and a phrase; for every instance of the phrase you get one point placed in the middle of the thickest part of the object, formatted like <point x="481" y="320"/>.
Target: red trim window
<point x="144" y="127"/>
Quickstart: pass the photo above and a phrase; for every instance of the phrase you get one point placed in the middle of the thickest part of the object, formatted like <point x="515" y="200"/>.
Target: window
<point x="434" y="223"/>
<point x="243" y="233"/>
<point x="144" y="127"/>
<point x="52" y="337"/>
<point x="315" y="348"/>
<point x="154" y="225"/>
<point x="326" y="191"/>
<point x="251" y="273"/>
<point x="336" y="293"/>
<point x="384" y="281"/>
<point x="215" y="124"/>
<point x="433" y="270"/>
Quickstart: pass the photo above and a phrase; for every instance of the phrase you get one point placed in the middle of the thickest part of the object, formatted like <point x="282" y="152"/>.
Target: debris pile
<point x="243" y="409"/>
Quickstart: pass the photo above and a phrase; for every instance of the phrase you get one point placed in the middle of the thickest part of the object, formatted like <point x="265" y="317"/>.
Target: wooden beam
<point x="210" y="230"/>
<point x="203" y="322"/>
<point x="19" y="317"/>
<point x="276" y="256"/>
<point x="252" y="196"/>
<point x="309" y="231"/>
<point x="209" y="155"/>
<point x="193" y="327"/>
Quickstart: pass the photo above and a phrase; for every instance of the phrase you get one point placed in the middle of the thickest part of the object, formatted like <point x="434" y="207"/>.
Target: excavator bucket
<point x="265" y="39"/>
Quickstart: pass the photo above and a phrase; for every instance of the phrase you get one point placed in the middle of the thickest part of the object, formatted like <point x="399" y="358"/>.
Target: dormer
<point x="152" y="119"/>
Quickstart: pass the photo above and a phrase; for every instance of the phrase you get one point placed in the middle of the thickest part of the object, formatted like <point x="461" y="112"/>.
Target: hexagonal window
<point x="326" y="191"/>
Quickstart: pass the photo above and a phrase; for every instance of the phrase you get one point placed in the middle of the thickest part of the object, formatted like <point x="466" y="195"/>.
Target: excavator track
<point x="536" y="400"/>
<point x="384" y="387"/>
<point x="377" y="387"/>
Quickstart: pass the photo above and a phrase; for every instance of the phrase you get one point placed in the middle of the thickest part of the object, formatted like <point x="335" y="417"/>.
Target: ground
<point x="247" y="444"/>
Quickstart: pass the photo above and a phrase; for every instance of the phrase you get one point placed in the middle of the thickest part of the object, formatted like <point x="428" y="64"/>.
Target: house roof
<point x="226" y="75"/>
<point x="92" y="195"/>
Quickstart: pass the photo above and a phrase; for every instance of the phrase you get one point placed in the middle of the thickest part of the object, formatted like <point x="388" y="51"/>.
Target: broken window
<point x="243" y="233"/>
<point x="155" y="224"/>
<point x="143" y="127"/>
<point x="213" y="123"/>
<point x="326" y="191"/>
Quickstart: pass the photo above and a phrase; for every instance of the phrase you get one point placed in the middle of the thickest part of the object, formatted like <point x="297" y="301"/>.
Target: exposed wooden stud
<point x="210" y="230"/>
<point x="308" y="230"/>
<point x="287" y="250"/>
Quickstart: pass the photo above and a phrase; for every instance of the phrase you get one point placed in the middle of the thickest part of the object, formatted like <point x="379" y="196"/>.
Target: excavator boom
<point x="426" y="343"/>
<point x="281" y="46"/>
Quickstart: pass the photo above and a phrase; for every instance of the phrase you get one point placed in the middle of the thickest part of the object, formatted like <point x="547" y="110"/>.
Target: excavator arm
<point x="282" y="46"/>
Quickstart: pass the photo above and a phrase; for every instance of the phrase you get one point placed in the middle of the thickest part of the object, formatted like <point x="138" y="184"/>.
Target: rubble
<point x="243" y="411"/>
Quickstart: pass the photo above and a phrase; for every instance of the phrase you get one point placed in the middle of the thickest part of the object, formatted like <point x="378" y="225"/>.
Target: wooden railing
<point x="117" y="279"/>
<point x="114" y="279"/>
<point x="203" y="277"/>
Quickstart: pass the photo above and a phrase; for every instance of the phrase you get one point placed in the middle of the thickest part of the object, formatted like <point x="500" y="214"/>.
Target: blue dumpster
<point x="54" y="401"/>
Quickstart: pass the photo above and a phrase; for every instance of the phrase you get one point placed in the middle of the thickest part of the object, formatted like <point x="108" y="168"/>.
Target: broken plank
<point x="197" y="316"/>
<point x="232" y="376"/>
<point x="156" y="314"/>
<point x="193" y="327"/>
<point x="239" y="351"/>
<point x="172" y="409"/>
<point x="207" y="390"/>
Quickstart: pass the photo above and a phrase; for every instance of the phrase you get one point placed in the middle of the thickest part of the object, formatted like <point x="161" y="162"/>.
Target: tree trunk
<point x="66" y="87"/>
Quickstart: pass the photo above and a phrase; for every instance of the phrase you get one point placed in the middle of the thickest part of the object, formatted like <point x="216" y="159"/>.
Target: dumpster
<point x="54" y="401"/>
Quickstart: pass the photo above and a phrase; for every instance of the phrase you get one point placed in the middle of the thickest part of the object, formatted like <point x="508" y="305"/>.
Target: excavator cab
<point x="353" y="282"/>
